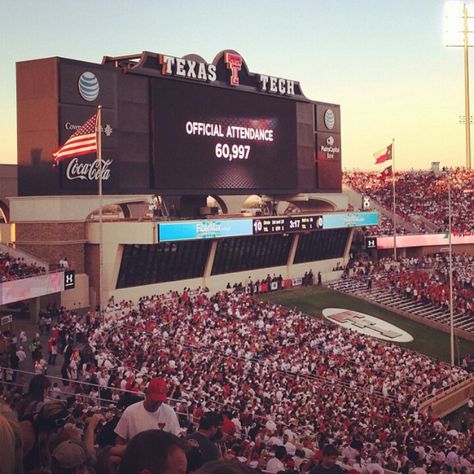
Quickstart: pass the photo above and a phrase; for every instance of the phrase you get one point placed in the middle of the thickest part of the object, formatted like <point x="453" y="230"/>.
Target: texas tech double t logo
<point x="234" y="63"/>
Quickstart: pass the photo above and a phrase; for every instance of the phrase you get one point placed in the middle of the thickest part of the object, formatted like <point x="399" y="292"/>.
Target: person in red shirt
<point x="228" y="426"/>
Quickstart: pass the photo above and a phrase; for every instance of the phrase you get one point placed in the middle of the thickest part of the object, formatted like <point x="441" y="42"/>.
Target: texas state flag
<point x="383" y="155"/>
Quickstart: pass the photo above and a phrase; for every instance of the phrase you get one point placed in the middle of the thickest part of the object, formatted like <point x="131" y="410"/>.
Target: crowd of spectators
<point x="385" y="227"/>
<point x="14" y="268"/>
<point x="424" y="279"/>
<point x="292" y="393"/>
<point x="422" y="193"/>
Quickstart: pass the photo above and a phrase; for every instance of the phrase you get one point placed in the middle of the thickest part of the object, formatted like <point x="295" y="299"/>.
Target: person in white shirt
<point x="349" y="452"/>
<point x="21" y="354"/>
<point x="152" y="413"/>
<point x="373" y="466"/>
<point x="452" y="458"/>
<point x="275" y="464"/>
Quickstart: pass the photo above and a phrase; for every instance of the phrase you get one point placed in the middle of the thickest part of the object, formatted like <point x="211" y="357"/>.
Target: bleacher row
<point x="381" y="295"/>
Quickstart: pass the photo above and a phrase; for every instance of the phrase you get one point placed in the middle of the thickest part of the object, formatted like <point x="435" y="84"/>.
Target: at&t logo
<point x="88" y="86"/>
<point x="329" y="119"/>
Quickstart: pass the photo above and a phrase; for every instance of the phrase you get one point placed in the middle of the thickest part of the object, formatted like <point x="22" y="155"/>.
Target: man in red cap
<point x="150" y="414"/>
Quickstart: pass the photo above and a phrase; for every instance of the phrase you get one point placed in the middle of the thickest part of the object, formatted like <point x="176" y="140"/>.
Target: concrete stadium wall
<point x="7" y="232"/>
<point x="78" y="297"/>
<point x="451" y="399"/>
<point x="63" y="208"/>
<point x="117" y="234"/>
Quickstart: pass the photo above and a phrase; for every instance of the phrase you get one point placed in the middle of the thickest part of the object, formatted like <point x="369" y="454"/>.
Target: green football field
<point x="426" y="340"/>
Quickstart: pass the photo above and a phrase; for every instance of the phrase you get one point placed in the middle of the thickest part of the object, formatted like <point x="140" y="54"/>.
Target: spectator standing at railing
<point x="152" y="413"/>
<point x="48" y="323"/>
<point x="52" y="351"/>
<point x="35" y="349"/>
<point x="23" y="338"/>
<point x="42" y="324"/>
<point x="21" y="354"/>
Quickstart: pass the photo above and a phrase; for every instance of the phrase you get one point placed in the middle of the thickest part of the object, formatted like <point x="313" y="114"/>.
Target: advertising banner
<point x="204" y="229"/>
<point x="350" y="219"/>
<point x="19" y="290"/>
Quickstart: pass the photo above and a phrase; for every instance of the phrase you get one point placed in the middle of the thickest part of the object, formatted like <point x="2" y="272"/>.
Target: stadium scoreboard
<point x="175" y="127"/>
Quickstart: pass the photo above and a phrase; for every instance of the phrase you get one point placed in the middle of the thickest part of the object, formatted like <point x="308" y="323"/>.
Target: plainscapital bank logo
<point x="331" y="149"/>
<point x="88" y="171"/>
<point x="329" y="119"/>
<point x="88" y="86"/>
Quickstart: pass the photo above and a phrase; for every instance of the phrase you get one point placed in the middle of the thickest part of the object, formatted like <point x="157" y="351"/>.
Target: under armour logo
<point x="366" y="202"/>
<point x="371" y="243"/>
<point x="69" y="279"/>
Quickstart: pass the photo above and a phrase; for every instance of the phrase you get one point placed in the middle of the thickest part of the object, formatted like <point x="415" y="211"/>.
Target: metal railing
<point x="426" y="401"/>
<point x="24" y="376"/>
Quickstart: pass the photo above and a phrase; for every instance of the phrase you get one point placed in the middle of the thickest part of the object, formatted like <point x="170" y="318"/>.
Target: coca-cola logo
<point x="89" y="171"/>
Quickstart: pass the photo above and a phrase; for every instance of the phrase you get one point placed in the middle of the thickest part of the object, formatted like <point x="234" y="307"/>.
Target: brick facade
<point x="53" y="241"/>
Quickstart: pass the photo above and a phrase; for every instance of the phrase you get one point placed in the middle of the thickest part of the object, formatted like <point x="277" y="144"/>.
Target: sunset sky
<point x="383" y="61"/>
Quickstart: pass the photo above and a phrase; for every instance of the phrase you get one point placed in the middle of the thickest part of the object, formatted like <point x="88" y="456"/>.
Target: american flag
<point x="82" y="142"/>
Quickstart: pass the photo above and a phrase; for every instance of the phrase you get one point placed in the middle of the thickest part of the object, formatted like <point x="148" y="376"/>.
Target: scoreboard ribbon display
<point x="275" y="225"/>
<point x="215" y="229"/>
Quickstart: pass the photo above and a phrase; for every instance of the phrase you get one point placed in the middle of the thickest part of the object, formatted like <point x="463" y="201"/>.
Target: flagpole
<point x="451" y="308"/>
<point x="393" y="193"/>
<point x="99" y="159"/>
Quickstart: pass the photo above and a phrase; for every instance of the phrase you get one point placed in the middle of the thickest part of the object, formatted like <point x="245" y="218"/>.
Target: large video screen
<point x="207" y="138"/>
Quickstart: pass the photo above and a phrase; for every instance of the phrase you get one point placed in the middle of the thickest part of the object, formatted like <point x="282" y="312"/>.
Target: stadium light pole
<point x="456" y="33"/>
<point x="451" y="309"/>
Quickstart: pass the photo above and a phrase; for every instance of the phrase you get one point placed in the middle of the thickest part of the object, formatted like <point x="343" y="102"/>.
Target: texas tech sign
<point x="234" y="72"/>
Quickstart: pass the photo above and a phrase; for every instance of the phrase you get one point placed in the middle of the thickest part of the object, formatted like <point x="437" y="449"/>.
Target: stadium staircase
<point x="386" y="297"/>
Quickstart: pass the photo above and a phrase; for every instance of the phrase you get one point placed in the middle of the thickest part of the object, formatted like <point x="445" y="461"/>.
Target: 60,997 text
<point x="232" y="152"/>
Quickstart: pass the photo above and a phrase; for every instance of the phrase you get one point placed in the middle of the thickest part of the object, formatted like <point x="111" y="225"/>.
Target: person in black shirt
<point x="328" y="464"/>
<point x="203" y="440"/>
